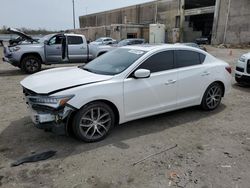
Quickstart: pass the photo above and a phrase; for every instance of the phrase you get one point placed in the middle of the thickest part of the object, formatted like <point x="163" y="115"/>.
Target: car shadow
<point x="242" y="87"/>
<point x="12" y="72"/>
<point x="21" y="138"/>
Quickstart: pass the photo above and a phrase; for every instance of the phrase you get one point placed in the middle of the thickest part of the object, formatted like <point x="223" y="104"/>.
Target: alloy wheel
<point x="213" y="97"/>
<point x="32" y="65"/>
<point x="95" y="123"/>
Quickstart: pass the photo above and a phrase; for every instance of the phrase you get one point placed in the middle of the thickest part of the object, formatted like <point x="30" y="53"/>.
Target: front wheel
<point x="31" y="64"/>
<point x="93" y="122"/>
<point x="212" y="97"/>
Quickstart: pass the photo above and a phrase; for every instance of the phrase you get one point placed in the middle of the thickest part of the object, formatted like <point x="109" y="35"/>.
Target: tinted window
<point x="185" y="58"/>
<point x="113" y="62"/>
<point x="74" y="40"/>
<point x="202" y="58"/>
<point x="159" y="62"/>
<point x="56" y="40"/>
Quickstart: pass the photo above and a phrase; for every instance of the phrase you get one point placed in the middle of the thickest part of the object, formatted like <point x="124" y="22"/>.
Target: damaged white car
<point x="125" y="84"/>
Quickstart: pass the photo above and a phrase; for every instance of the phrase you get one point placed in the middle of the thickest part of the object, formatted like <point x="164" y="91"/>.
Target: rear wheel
<point x="31" y="64"/>
<point x="93" y="122"/>
<point x="212" y="97"/>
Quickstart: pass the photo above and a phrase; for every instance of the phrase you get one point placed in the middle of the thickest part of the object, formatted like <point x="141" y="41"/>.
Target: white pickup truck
<point x="29" y="54"/>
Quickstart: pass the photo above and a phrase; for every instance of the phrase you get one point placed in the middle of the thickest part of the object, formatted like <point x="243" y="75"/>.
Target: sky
<point x="53" y="14"/>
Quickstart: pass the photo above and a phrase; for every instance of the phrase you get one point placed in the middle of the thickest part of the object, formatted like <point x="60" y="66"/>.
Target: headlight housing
<point x="242" y="59"/>
<point x="53" y="101"/>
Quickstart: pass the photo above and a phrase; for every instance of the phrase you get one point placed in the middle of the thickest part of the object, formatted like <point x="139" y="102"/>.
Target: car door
<point x="77" y="49"/>
<point x="155" y="94"/>
<point x="54" y="50"/>
<point x="193" y="77"/>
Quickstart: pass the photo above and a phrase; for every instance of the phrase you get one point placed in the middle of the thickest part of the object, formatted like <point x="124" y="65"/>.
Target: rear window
<point x="74" y="40"/>
<point x="185" y="58"/>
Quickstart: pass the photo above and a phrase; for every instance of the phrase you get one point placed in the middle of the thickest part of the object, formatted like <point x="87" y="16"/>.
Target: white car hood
<point x="60" y="78"/>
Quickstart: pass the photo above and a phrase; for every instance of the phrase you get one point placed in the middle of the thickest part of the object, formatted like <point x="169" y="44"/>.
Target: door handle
<point x="82" y="48"/>
<point x="58" y="48"/>
<point x="206" y="73"/>
<point x="170" y="82"/>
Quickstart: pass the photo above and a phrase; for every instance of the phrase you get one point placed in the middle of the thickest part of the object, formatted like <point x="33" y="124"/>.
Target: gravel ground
<point x="213" y="148"/>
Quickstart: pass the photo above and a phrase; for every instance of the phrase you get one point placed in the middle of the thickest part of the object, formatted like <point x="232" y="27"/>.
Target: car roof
<point x="150" y="47"/>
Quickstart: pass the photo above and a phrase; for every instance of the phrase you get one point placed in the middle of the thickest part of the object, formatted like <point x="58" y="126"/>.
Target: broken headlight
<point x="55" y="101"/>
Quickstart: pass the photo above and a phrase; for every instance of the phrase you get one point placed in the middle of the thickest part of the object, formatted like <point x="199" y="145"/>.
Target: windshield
<point x="99" y="40"/>
<point x="46" y="37"/>
<point x="113" y="62"/>
<point x="123" y="43"/>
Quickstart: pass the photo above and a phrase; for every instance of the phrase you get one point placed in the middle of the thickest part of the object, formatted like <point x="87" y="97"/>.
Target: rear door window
<point x="185" y="58"/>
<point x="74" y="40"/>
<point x="159" y="62"/>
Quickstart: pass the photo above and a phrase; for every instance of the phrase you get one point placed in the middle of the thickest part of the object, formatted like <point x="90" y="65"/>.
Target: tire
<point x="31" y="64"/>
<point x="93" y="122"/>
<point x="212" y="97"/>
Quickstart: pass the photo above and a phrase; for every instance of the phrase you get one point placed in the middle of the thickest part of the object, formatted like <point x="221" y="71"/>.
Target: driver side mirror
<point x="46" y="42"/>
<point x="142" y="73"/>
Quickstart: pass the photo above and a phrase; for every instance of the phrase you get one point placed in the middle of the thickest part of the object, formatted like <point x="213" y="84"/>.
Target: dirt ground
<point x="213" y="148"/>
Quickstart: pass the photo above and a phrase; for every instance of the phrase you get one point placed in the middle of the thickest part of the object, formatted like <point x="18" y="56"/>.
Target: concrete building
<point x="222" y="21"/>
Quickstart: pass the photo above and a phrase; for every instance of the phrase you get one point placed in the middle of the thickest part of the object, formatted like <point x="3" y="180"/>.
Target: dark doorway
<point x="190" y="4"/>
<point x="131" y="35"/>
<point x="203" y="23"/>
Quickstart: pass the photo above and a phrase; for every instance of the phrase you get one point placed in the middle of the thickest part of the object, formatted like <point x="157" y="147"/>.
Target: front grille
<point x="248" y="66"/>
<point x="240" y="69"/>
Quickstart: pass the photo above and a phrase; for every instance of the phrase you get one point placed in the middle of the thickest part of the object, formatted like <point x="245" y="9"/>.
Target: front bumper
<point x="242" y="78"/>
<point x="8" y="57"/>
<point x="49" y="118"/>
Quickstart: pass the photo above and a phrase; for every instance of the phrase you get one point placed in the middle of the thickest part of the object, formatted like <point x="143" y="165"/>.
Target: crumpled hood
<point x="21" y="34"/>
<point x="60" y="78"/>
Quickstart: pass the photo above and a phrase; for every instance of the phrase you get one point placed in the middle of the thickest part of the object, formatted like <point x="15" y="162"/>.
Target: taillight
<point x="229" y="69"/>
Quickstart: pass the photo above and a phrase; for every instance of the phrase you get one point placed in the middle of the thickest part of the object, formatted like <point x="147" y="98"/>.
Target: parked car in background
<point x="242" y="72"/>
<point x="192" y="44"/>
<point x="202" y="40"/>
<point x="104" y="41"/>
<point x="91" y="99"/>
<point x="29" y="54"/>
<point x="127" y="42"/>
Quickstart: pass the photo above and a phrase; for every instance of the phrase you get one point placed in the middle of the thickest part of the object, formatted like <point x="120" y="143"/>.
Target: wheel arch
<point x="31" y="53"/>
<point x="69" y="127"/>
<point x="222" y="84"/>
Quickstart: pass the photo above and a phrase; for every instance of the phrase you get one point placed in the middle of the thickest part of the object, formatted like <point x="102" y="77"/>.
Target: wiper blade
<point x="86" y="69"/>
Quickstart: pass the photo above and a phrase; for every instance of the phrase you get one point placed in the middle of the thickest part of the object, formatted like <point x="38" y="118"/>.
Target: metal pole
<point x="228" y="12"/>
<point x="182" y="19"/>
<point x="156" y="10"/>
<point x="74" y="21"/>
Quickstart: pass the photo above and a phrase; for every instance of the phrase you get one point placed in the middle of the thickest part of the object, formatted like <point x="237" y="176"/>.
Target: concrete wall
<point x="118" y="32"/>
<point x="143" y="14"/>
<point x="238" y="27"/>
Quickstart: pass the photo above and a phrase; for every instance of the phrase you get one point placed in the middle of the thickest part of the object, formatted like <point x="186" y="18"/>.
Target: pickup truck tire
<point x="93" y="122"/>
<point x="31" y="64"/>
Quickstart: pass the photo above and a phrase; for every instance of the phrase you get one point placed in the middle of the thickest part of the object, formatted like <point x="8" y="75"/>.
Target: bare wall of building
<point x="232" y="25"/>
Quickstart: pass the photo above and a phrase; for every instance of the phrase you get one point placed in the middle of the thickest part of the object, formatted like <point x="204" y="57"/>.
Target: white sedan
<point x="125" y="84"/>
